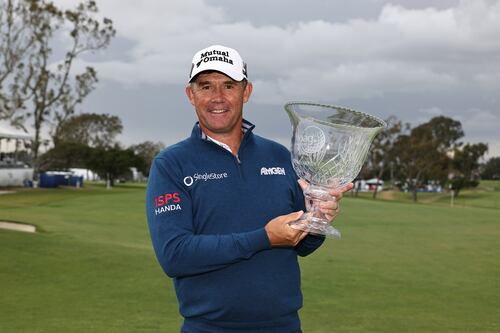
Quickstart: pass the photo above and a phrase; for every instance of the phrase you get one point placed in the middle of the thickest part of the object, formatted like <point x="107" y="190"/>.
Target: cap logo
<point x="218" y="58"/>
<point x="214" y="55"/>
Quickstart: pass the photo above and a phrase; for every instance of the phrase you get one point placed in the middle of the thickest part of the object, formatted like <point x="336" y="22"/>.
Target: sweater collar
<point x="246" y="127"/>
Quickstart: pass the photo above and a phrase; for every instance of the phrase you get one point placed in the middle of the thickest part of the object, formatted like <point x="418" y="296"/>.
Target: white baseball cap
<point x="219" y="58"/>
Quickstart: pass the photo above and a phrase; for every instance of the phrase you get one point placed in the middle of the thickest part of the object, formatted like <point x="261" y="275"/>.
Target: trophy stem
<point x="313" y="226"/>
<point x="314" y="221"/>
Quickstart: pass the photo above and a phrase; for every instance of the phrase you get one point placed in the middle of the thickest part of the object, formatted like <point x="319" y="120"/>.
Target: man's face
<point x="218" y="101"/>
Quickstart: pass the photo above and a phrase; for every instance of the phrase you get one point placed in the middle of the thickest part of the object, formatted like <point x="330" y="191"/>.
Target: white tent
<point x="9" y="132"/>
<point x="369" y="185"/>
<point x="10" y="137"/>
<point x="12" y="173"/>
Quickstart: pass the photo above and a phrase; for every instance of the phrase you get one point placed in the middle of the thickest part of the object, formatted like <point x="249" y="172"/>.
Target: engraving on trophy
<point x="312" y="140"/>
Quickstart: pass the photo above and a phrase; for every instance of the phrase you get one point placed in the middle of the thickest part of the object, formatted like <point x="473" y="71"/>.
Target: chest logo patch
<point x="272" y="171"/>
<point x="167" y="202"/>
<point x="207" y="176"/>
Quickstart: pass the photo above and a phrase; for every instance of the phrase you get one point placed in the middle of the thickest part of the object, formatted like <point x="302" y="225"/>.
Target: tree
<point x="111" y="163"/>
<point x="91" y="129"/>
<point x="443" y="131"/>
<point x="17" y="41"/>
<point x="147" y="151"/>
<point x="422" y="154"/>
<point x="465" y="166"/>
<point x="382" y="149"/>
<point x="491" y="169"/>
<point x="64" y="156"/>
<point x="41" y="91"/>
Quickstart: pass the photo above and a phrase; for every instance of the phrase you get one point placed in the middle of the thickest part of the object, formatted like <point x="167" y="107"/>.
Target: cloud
<point x="358" y="80"/>
<point x="432" y="111"/>
<point x="400" y="50"/>
<point x="481" y="123"/>
<point x="482" y="126"/>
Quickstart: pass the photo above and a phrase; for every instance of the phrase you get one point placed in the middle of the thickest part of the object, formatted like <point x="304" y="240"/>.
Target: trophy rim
<point x="381" y="122"/>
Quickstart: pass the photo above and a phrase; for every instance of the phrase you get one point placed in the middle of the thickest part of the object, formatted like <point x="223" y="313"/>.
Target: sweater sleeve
<point x="309" y="244"/>
<point x="178" y="249"/>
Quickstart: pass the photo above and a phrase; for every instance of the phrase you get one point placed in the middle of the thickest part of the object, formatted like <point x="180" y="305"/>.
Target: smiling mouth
<point x="218" y="111"/>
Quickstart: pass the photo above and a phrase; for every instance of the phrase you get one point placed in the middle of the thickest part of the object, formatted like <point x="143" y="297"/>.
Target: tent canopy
<point x="9" y="132"/>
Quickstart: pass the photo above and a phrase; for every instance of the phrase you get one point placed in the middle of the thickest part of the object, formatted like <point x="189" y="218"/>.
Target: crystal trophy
<point x="329" y="147"/>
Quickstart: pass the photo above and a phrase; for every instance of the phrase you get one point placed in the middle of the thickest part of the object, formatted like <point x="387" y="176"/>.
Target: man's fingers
<point x="302" y="236"/>
<point x="330" y="212"/>
<point x="331" y="205"/>
<point x="280" y="233"/>
<point x="339" y="192"/>
<point x="295" y="235"/>
<point x="293" y="216"/>
<point x="303" y="184"/>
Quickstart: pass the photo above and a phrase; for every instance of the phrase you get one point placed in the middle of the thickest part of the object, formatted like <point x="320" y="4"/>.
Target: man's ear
<point x="248" y="92"/>
<point x="189" y="94"/>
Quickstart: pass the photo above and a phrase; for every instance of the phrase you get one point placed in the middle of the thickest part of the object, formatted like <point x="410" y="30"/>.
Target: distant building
<point x="369" y="185"/>
<point x="430" y="186"/>
<point x="12" y="171"/>
<point x="85" y="173"/>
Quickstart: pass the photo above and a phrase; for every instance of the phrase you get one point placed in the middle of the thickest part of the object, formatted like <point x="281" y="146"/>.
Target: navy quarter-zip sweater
<point x="206" y="211"/>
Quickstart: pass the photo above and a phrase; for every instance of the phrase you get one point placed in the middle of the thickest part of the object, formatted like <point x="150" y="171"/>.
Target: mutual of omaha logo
<point x="311" y="140"/>
<point x="272" y="171"/>
<point x="215" y="55"/>
<point x="167" y="202"/>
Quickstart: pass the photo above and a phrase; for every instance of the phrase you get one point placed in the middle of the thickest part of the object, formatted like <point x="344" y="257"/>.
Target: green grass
<point x="486" y="195"/>
<point x="91" y="269"/>
<point x="400" y="267"/>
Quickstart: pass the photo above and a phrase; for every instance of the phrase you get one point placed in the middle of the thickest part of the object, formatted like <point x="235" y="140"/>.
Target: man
<point x="219" y="225"/>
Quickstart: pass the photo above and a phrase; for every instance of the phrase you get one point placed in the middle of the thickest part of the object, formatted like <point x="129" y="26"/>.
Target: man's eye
<point x="229" y="86"/>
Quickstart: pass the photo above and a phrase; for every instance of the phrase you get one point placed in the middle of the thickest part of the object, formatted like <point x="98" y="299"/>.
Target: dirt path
<point x="6" y="192"/>
<point x="17" y="226"/>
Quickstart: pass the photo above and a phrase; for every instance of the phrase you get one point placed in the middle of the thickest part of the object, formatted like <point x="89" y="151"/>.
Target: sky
<point x="413" y="59"/>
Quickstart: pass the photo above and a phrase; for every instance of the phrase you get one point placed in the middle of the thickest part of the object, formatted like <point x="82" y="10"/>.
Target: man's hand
<point x="330" y="208"/>
<point x="281" y="234"/>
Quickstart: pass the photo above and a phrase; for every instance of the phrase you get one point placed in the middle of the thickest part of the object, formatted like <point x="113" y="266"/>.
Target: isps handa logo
<point x="167" y="202"/>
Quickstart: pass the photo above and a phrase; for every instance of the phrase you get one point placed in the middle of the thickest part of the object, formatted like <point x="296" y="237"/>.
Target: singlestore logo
<point x="189" y="180"/>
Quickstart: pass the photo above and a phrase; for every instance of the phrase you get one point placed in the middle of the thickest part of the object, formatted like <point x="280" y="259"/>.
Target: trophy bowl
<point x="329" y="146"/>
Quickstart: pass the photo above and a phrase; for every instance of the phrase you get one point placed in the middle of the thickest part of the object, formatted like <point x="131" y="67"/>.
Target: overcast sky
<point x="414" y="59"/>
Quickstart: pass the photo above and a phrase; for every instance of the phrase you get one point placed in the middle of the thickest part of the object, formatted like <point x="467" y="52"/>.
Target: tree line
<point x="89" y="141"/>
<point x="432" y="152"/>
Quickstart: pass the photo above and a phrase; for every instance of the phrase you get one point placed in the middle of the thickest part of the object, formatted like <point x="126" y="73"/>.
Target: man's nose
<point x="218" y="94"/>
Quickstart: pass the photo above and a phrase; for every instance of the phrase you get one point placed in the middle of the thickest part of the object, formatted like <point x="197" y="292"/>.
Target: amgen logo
<point x="272" y="171"/>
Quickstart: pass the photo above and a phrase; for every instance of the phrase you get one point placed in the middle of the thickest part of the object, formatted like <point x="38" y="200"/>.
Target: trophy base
<point x="314" y="225"/>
